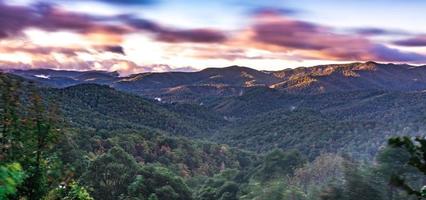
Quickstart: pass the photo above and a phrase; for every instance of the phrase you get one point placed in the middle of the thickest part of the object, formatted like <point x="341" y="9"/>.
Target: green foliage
<point x="103" y="108"/>
<point x="273" y="190"/>
<point x="358" y="186"/>
<point x="152" y="197"/>
<point x="72" y="191"/>
<point x="279" y="164"/>
<point x="110" y="174"/>
<point x="352" y="122"/>
<point x="30" y="129"/>
<point x="221" y="186"/>
<point x="120" y="146"/>
<point x="416" y="149"/>
<point x="158" y="182"/>
<point x="332" y="192"/>
<point x="77" y="192"/>
<point x="11" y="175"/>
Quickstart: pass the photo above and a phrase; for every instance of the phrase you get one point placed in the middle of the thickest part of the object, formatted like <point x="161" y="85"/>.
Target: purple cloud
<point x="383" y="53"/>
<point x="418" y="41"/>
<point x="291" y="34"/>
<point x="270" y="10"/>
<point x="14" y="19"/>
<point x="129" y="2"/>
<point x="377" y="31"/>
<point x="114" y="49"/>
<point x="174" y="35"/>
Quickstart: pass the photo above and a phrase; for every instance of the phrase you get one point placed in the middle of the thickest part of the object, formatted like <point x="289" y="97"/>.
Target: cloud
<point x="370" y="31"/>
<point x="228" y="53"/>
<point x="383" y="53"/>
<point x="321" y="42"/>
<point x="271" y="10"/>
<point x="37" y="50"/>
<point x="14" y="19"/>
<point x="418" y="41"/>
<point x="193" y="35"/>
<point x="123" y="67"/>
<point x="174" y="35"/>
<point x="166" y="68"/>
<point x="129" y="2"/>
<point x="114" y="49"/>
<point x="275" y="29"/>
<point x="97" y="42"/>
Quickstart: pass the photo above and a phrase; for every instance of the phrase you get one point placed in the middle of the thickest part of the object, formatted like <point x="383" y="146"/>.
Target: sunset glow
<point x="139" y="36"/>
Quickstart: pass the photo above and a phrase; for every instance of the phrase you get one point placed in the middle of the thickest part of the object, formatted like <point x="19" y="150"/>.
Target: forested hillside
<point x="201" y="86"/>
<point x="103" y="108"/>
<point x="93" y="142"/>
<point x="356" y="123"/>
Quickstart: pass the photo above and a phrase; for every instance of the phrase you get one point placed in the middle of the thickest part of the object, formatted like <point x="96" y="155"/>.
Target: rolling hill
<point x="201" y="86"/>
<point x="349" y="108"/>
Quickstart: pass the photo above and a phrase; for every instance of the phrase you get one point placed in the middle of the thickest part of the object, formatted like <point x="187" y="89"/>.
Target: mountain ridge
<point x="196" y="87"/>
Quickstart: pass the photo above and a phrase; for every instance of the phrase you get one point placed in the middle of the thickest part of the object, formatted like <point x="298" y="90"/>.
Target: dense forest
<point x="92" y="142"/>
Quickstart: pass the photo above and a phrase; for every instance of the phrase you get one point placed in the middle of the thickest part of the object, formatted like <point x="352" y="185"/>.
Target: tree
<point x="392" y="162"/>
<point x="273" y="190"/>
<point x="11" y="175"/>
<point x="152" y="197"/>
<point x="158" y="181"/>
<point x="166" y="192"/>
<point x="280" y="163"/>
<point x="221" y="186"/>
<point x="324" y="169"/>
<point x="357" y="185"/>
<point x="294" y="193"/>
<point x="42" y="134"/>
<point x="110" y="174"/>
<point x="332" y="192"/>
<point x="416" y="148"/>
<point x="29" y="130"/>
<point x="10" y="121"/>
<point x="72" y="191"/>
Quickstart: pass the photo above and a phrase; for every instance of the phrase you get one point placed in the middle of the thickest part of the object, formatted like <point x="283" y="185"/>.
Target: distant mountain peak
<point x="229" y="68"/>
<point x="232" y="80"/>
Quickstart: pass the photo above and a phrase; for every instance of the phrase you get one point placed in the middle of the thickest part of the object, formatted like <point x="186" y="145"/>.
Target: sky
<point x="134" y="36"/>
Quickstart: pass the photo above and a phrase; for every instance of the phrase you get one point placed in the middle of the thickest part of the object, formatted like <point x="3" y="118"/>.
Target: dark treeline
<point x="48" y="152"/>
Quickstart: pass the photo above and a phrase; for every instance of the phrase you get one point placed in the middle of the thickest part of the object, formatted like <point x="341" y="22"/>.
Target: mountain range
<point x="225" y="129"/>
<point x="349" y="108"/>
<point x="236" y="80"/>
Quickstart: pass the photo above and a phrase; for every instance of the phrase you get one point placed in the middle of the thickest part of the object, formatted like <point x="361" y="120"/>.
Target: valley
<point x="214" y="136"/>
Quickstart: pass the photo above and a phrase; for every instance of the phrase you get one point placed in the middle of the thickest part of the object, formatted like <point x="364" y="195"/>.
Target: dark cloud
<point x="114" y="49"/>
<point x="383" y="53"/>
<point x="418" y="41"/>
<point x="142" y="24"/>
<point x="129" y="2"/>
<point x="377" y="32"/>
<point x="290" y="34"/>
<point x="296" y="34"/>
<point x="14" y="19"/>
<point x="193" y="35"/>
<point x="173" y="35"/>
